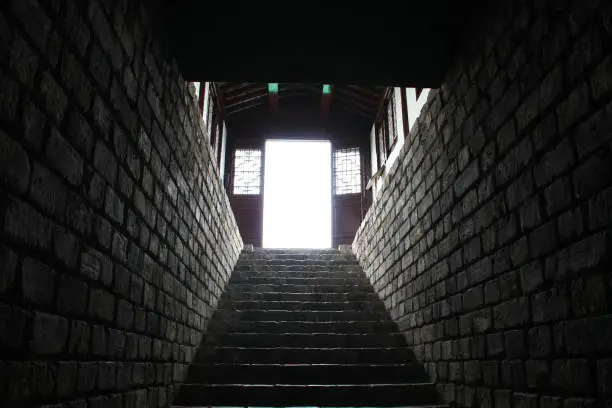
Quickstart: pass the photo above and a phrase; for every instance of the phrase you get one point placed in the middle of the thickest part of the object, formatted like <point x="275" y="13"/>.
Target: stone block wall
<point x="491" y="241"/>
<point x="116" y="235"/>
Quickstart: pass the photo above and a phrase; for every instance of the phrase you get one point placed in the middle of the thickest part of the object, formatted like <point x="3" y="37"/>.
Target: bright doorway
<point x="297" y="194"/>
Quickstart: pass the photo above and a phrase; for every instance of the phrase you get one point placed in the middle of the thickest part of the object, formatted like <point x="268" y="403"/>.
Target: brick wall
<point x="117" y="238"/>
<point x="491" y="241"/>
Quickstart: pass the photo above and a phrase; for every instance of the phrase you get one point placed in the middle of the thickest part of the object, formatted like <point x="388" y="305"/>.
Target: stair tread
<point x="340" y="385"/>
<point x="304" y="293"/>
<point x="349" y="365"/>
<point x="309" y="348"/>
<point x="295" y="302"/>
<point x="312" y="395"/>
<point x="360" y="322"/>
<point x="300" y="334"/>
<point x="297" y="311"/>
<point x="304" y="328"/>
<point x="296" y="406"/>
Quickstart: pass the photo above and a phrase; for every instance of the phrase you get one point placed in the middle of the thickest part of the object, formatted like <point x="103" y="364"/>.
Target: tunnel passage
<point x="482" y="223"/>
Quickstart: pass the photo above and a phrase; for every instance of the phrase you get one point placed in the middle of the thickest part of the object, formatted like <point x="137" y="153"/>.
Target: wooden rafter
<point x="352" y="109"/>
<point x="382" y="103"/>
<point x="248" y="106"/>
<point x="245" y="94"/>
<point x="365" y="101"/>
<point x="229" y="87"/>
<point x="367" y="92"/>
<point x="217" y="97"/>
<point x="356" y="104"/>
<point x="353" y="94"/>
<point x="262" y="94"/>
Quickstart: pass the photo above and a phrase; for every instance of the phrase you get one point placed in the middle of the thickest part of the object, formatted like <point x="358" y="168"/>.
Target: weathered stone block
<point x="49" y="334"/>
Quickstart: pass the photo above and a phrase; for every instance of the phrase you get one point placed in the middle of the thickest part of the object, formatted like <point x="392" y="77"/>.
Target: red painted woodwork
<point x="404" y="105"/>
<point x="273" y="102"/>
<point x="346" y="216"/>
<point x="348" y="210"/>
<point x="248" y="211"/>
<point x="325" y="104"/>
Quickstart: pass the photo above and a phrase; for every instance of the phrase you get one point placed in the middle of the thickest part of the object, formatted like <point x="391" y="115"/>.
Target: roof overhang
<point x="403" y="44"/>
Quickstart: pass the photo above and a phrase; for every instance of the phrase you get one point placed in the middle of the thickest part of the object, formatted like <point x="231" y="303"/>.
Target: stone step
<point x="298" y="297"/>
<point x="373" y="306"/>
<point x="331" y="257"/>
<point x="341" y="274"/>
<point x="265" y="266"/>
<point x="284" y="288"/>
<point x="233" y="326"/>
<point x="300" y="315"/>
<point x="298" y="254"/>
<point x="309" y="251"/>
<point x="295" y="261"/>
<point x="305" y="355"/>
<point x="254" y="279"/>
<point x="306" y="373"/>
<point x="308" y="395"/>
<point x="322" y="340"/>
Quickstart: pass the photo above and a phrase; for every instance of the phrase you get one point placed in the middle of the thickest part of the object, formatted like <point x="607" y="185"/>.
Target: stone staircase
<point x="303" y="328"/>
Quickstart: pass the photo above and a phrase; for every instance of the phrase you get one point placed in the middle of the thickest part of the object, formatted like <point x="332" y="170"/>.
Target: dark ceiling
<point x="369" y="44"/>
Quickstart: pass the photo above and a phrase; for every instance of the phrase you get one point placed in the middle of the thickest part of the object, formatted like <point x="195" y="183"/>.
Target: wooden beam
<point x="273" y="98"/>
<point x="353" y="110"/>
<point x="369" y="101"/>
<point x="404" y="106"/>
<point x="249" y="106"/>
<point x="246" y="93"/>
<point x="203" y="95"/>
<point x="233" y="87"/>
<point x="382" y="102"/>
<point x="297" y="92"/>
<point x="217" y="98"/>
<point x="286" y="87"/>
<point x="350" y="101"/>
<point x="247" y="100"/>
<point x="326" y="99"/>
<point x="367" y="92"/>
<point x="261" y="101"/>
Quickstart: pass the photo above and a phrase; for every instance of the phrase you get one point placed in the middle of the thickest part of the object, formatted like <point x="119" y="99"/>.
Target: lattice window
<point x="347" y="171"/>
<point x="247" y="171"/>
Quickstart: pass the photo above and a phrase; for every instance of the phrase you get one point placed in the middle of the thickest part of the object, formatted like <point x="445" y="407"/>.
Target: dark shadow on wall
<point x="497" y="265"/>
<point x="117" y="236"/>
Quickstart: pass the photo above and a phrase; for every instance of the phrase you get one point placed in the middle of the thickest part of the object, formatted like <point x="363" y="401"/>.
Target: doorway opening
<point x="297" y="194"/>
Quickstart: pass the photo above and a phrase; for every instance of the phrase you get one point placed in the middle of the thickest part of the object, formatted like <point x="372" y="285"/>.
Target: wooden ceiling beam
<point x="294" y="87"/>
<point x="217" y="96"/>
<point x="297" y="92"/>
<point x="350" y="101"/>
<point x="368" y="101"/>
<point x="254" y="101"/>
<point x="260" y="88"/>
<point x="232" y="86"/>
<point x="249" y="106"/>
<point x="370" y="93"/>
<point x="353" y="110"/>
<point x="382" y="103"/>
<point x="247" y="100"/>
<point x="245" y="93"/>
<point x="326" y="99"/>
<point x="341" y="106"/>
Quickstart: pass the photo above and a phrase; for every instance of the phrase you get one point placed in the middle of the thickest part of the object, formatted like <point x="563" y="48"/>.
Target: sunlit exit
<point x="297" y="194"/>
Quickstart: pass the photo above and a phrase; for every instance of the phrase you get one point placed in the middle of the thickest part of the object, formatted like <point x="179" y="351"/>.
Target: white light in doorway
<point x="297" y="194"/>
